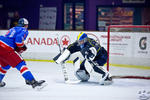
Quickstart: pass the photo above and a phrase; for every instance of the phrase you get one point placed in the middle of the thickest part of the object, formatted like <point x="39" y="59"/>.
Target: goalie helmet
<point x="22" y="22"/>
<point x="82" y="38"/>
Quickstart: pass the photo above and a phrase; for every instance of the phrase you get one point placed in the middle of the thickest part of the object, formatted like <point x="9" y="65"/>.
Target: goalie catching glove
<point x="61" y="58"/>
<point x="89" y="53"/>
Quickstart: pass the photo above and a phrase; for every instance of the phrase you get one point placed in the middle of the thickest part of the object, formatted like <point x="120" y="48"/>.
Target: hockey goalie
<point x="94" y="55"/>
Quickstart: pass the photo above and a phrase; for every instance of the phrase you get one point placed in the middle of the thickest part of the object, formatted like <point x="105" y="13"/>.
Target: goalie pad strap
<point x="76" y="63"/>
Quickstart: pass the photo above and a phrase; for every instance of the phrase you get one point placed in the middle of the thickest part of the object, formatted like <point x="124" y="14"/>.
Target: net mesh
<point x="129" y="51"/>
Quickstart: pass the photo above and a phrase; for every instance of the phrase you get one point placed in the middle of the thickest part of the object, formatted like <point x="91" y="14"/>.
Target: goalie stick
<point x="64" y="69"/>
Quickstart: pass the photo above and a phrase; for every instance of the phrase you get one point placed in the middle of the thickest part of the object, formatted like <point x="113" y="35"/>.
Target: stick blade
<point x="72" y="82"/>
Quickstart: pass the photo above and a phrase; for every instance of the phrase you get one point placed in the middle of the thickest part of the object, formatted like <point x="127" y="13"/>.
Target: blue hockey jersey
<point x="14" y="38"/>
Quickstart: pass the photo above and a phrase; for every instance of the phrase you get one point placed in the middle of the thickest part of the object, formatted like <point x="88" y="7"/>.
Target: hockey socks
<point x="3" y="71"/>
<point x="27" y="75"/>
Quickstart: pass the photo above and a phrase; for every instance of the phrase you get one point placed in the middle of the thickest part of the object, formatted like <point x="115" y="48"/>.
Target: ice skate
<point x="36" y="84"/>
<point x="2" y="84"/>
<point x="106" y="79"/>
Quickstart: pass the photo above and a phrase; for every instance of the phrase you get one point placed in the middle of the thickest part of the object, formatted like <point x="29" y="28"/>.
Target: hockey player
<point x="93" y="53"/>
<point x="11" y="46"/>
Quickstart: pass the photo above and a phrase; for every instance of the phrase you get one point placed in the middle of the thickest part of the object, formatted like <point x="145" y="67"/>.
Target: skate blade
<point x="106" y="82"/>
<point x="39" y="88"/>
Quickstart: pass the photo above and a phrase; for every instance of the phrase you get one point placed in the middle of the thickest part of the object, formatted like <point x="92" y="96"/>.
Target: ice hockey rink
<point x="121" y="89"/>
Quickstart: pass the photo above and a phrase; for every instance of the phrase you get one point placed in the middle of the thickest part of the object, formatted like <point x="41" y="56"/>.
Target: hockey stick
<point x="64" y="69"/>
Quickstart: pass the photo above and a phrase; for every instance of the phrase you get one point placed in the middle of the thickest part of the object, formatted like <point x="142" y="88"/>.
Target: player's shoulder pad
<point x="91" y="42"/>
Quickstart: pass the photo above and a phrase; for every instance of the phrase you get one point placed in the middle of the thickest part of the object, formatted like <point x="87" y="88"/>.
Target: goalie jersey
<point x="14" y="38"/>
<point x="101" y="55"/>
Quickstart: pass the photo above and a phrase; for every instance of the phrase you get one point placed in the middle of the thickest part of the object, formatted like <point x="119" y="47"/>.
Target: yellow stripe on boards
<point x="131" y="66"/>
<point x="40" y="60"/>
<point x="114" y="65"/>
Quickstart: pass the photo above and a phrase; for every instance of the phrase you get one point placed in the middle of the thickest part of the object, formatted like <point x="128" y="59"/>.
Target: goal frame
<point x="108" y="44"/>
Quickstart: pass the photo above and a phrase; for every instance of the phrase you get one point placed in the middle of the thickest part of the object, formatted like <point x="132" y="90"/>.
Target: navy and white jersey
<point x="75" y="47"/>
<point x="14" y="38"/>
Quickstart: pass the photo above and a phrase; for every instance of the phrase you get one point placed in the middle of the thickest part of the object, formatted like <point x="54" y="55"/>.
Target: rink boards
<point x="125" y="48"/>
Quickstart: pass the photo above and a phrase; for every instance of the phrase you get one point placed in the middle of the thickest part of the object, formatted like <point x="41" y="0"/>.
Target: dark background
<point x="30" y="10"/>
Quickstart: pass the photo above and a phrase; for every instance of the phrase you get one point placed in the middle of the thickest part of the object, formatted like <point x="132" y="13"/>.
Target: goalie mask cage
<point x="128" y="49"/>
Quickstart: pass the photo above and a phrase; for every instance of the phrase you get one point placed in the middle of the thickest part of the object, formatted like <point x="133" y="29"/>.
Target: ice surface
<point x="15" y="89"/>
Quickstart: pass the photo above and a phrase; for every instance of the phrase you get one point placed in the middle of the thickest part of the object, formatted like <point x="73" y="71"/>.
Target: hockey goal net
<point x="129" y="51"/>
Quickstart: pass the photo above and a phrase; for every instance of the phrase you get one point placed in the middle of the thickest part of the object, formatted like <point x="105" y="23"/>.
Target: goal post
<point x="127" y="46"/>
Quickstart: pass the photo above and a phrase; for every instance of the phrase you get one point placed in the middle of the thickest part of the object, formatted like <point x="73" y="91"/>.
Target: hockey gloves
<point x="60" y="58"/>
<point x="21" y="49"/>
<point x="90" y="53"/>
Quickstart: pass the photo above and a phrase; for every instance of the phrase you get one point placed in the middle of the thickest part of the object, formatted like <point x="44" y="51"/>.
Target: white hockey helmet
<point x="22" y="22"/>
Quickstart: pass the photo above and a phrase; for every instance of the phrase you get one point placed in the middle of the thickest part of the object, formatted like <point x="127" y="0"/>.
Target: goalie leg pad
<point x="82" y="75"/>
<point x="99" y="70"/>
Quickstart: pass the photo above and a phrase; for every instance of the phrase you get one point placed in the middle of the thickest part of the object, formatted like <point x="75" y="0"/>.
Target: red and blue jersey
<point x="15" y="37"/>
